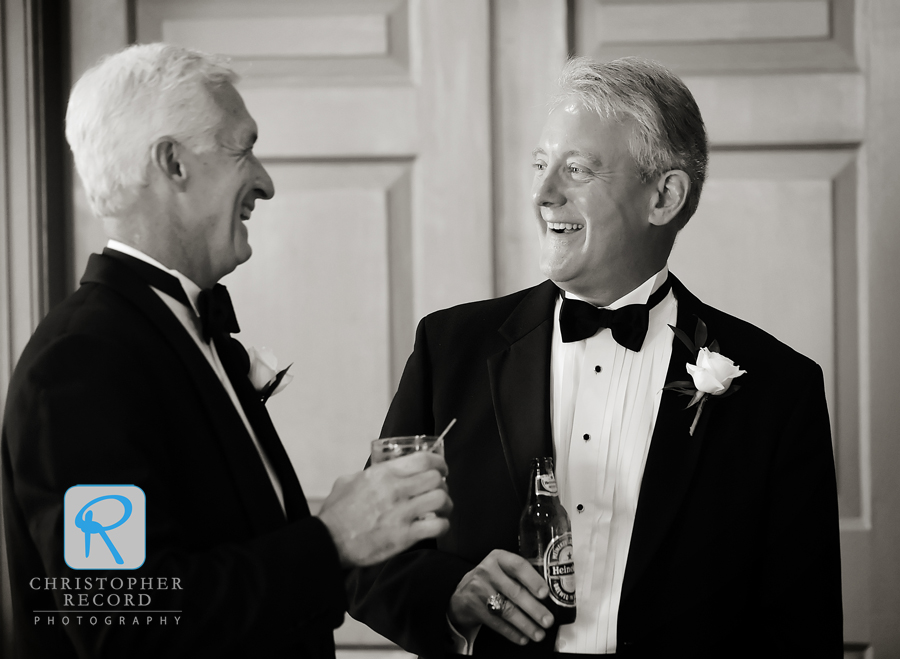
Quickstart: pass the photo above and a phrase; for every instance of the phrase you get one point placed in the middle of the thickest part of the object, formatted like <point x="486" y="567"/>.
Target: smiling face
<point x="224" y="184"/>
<point x="591" y="206"/>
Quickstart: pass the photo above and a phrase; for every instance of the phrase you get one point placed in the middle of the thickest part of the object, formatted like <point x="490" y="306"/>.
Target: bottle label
<point x="559" y="570"/>
<point x="545" y="485"/>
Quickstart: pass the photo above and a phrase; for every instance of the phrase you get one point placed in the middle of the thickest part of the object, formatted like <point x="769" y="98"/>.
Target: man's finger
<point x="505" y="629"/>
<point x="430" y="527"/>
<point x="420" y="483"/>
<point x="511" y="623"/>
<point x="522" y="571"/>
<point x="434" y="501"/>
<point x="472" y="604"/>
<point x="415" y="463"/>
<point x="533" y="613"/>
<point x="520" y="621"/>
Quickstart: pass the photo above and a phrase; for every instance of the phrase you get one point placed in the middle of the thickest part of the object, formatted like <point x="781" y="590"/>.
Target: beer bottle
<point x="545" y="540"/>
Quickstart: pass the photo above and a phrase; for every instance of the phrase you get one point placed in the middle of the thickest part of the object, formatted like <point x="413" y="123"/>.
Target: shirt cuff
<point x="462" y="644"/>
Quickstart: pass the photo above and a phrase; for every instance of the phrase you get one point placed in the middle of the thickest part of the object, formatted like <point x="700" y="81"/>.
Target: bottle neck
<point x="543" y="481"/>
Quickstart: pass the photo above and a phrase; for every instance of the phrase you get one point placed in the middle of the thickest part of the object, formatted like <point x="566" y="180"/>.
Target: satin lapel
<point x="520" y="384"/>
<point x="262" y="507"/>
<point x="673" y="453"/>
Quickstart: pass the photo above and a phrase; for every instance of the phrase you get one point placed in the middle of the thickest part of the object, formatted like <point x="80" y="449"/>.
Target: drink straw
<point x="440" y="439"/>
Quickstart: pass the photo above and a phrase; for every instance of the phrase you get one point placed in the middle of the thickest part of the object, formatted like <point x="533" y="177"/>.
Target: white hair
<point x="121" y="106"/>
<point x="669" y="129"/>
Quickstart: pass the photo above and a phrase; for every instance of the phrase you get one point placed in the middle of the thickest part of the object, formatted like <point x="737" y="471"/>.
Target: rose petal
<point x="721" y="365"/>
<point x="260" y="370"/>
<point x="703" y="358"/>
<point x="713" y="373"/>
<point x="704" y="380"/>
<point x="268" y="358"/>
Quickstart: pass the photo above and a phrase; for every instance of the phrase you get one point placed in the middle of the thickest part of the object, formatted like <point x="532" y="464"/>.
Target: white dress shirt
<point x="190" y="319"/>
<point x="604" y="403"/>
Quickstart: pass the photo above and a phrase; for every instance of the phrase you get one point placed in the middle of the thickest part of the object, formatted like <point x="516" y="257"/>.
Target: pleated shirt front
<point x="604" y="403"/>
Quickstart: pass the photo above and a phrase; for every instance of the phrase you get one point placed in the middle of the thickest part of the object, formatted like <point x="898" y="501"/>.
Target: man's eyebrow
<point x="591" y="158"/>
<point x="594" y="160"/>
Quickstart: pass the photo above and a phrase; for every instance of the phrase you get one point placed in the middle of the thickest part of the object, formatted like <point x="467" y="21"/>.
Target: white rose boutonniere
<point x="264" y="373"/>
<point x="712" y="372"/>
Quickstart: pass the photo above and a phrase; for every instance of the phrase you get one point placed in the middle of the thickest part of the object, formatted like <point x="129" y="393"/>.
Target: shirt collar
<point x="190" y="288"/>
<point x="639" y="295"/>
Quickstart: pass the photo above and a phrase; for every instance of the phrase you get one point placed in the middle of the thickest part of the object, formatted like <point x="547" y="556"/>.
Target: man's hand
<point x="385" y="509"/>
<point x="513" y="577"/>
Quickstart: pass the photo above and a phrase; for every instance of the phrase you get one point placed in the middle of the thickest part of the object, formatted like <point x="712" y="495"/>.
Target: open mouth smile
<point x="564" y="227"/>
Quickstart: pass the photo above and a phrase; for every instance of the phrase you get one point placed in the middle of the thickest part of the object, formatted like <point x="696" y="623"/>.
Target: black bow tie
<point x="580" y="320"/>
<point x="214" y="304"/>
<point x="216" y="312"/>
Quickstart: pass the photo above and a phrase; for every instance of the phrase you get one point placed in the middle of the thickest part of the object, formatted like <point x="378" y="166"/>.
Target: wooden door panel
<point x="791" y="109"/>
<point x="761" y="249"/>
<point x="276" y="28"/>
<point x="721" y="36"/>
<point x="699" y="22"/>
<point x="318" y="293"/>
<point x="334" y="122"/>
<point x="285" y="40"/>
<point x="286" y="36"/>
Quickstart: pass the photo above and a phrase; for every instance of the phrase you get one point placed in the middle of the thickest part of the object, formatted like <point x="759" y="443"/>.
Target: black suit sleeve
<point x="406" y="598"/>
<point x="83" y="413"/>
<point x="802" y="569"/>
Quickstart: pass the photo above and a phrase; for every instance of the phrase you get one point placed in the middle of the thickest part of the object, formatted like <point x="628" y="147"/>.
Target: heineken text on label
<point x="559" y="570"/>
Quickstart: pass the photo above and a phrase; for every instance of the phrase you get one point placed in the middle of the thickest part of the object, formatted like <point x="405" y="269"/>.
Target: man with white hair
<point x="702" y="525"/>
<point x="134" y="379"/>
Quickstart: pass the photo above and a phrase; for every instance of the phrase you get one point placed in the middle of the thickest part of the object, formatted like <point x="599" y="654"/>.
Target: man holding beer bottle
<point x="702" y="500"/>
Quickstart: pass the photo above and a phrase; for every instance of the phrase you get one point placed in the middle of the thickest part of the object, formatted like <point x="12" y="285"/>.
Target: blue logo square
<point x="105" y="527"/>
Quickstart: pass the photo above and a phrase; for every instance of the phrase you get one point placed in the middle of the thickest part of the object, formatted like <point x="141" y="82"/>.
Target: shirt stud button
<point x="579" y="507"/>
<point x="586" y="436"/>
<point x="598" y="368"/>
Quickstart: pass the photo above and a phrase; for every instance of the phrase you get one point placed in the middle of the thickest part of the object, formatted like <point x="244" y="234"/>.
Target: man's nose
<point x="264" y="185"/>
<point x="547" y="191"/>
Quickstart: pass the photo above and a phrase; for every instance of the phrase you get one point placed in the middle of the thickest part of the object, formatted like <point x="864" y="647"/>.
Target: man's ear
<point x="168" y="159"/>
<point x="671" y="193"/>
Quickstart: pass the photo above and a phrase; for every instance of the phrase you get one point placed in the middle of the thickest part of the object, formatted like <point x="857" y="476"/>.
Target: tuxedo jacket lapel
<point x="673" y="453"/>
<point x="261" y="503"/>
<point x="520" y="384"/>
<point x="234" y="357"/>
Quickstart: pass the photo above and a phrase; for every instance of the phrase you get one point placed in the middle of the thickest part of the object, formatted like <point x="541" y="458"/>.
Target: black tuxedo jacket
<point x="735" y="549"/>
<point x="112" y="389"/>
